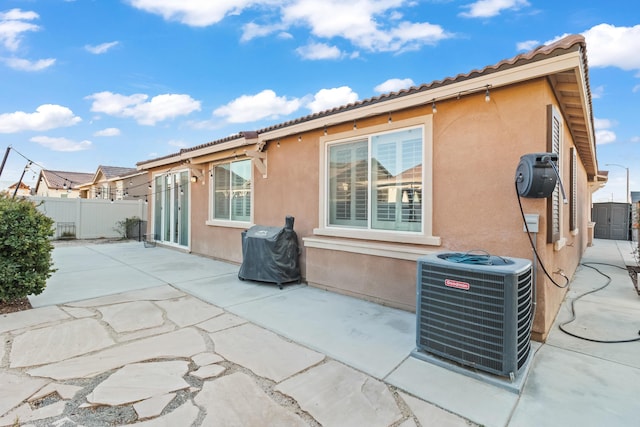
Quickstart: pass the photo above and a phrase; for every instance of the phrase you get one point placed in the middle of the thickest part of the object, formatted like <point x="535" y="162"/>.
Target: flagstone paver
<point x="29" y="318"/>
<point x="58" y="342"/>
<point x="157" y="293"/>
<point x="188" y="311"/>
<point x="337" y="395"/>
<point x="236" y="400"/>
<point x="24" y="413"/>
<point x="430" y="415"/>
<point x="132" y="316"/>
<point x="264" y="352"/>
<point x="140" y="381"/>
<point x="153" y="406"/>
<point x="209" y="371"/>
<point x="219" y="323"/>
<point x="79" y="312"/>
<point x="204" y="359"/>
<point x="185" y="415"/>
<point x="16" y="388"/>
<point x="163" y="329"/>
<point x="65" y="391"/>
<point x="181" y="343"/>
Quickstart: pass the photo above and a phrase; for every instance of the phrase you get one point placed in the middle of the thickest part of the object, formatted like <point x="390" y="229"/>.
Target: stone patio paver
<point x="204" y="359"/>
<point x="188" y="311"/>
<point x="157" y="293"/>
<point x="236" y="400"/>
<point x="65" y="391"/>
<point x="29" y="318"/>
<point x="181" y="343"/>
<point x="24" y="413"/>
<point x="209" y="371"/>
<point x="184" y="415"/>
<point x="337" y="395"/>
<point x="17" y="388"/>
<point x="58" y="342"/>
<point x="140" y="381"/>
<point x="263" y="352"/>
<point x="132" y="316"/>
<point x="79" y="312"/>
<point x="153" y="406"/>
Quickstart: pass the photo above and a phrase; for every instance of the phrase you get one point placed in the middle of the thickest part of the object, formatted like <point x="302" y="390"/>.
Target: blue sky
<point x="86" y="83"/>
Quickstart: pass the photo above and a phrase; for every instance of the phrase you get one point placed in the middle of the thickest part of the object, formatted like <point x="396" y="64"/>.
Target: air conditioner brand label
<point x="457" y="284"/>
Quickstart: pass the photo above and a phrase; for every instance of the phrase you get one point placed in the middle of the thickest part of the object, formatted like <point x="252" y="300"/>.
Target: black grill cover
<point x="270" y="254"/>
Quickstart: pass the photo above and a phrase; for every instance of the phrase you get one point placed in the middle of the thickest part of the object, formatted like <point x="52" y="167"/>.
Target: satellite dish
<point x="536" y="175"/>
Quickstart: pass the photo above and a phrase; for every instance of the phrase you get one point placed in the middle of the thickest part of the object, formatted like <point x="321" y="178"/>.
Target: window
<point x="232" y="191"/>
<point x="573" y="219"/>
<point x="375" y="182"/>
<point x="554" y="145"/>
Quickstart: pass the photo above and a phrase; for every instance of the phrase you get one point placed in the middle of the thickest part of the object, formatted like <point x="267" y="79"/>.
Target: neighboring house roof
<point x="23" y="186"/>
<point x="112" y="172"/>
<point x="62" y="179"/>
<point x="570" y="83"/>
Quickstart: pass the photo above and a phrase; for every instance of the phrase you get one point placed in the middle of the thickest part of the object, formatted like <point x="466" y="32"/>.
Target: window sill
<point x="386" y="250"/>
<point x="228" y="224"/>
<point x="391" y="236"/>
<point x="557" y="246"/>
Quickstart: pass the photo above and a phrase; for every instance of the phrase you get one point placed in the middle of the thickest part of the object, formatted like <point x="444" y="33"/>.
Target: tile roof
<point x="58" y="179"/>
<point x="111" y="172"/>
<point x="560" y="47"/>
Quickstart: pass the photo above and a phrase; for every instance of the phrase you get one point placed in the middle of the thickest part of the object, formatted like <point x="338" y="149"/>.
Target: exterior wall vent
<point x="477" y="313"/>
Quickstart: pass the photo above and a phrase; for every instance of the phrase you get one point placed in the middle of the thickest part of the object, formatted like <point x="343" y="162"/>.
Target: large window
<point x="232" y="191"/>
<point x="376" y="182"/>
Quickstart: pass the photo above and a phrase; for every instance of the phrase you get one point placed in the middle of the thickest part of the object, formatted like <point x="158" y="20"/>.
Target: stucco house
<point x="376" y="184"/>
<point x="63" y="184"/>
<point x="115" y="183"/>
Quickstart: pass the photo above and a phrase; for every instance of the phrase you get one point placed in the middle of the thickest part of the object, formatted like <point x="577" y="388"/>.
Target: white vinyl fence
<point x="90" y="218"/>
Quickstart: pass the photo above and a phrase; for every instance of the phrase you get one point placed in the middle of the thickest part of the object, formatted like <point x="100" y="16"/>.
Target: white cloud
<point x="394" y="85"/>
<point x="611" y="46"/>
<point x="597" y="92"/>
<point x="13" y="24"/>
<point x="636" y="88"/>
<point x="61" y="144"/>
<point x="45" y="117"/>
<point x="326" y="99"/>
<point x="101" y="48"/>
<point x="250" y="108"/>
<point x="108" y="132"/>
<point x="635" y="139"/>
<point x="157" y="109"/>
<point x="26" y="65"/>
<point x="197" y="13"/>
<point x="604" y="135"/>
<point x="489" y="8"/>
<point x="361" y="23"/>
<point x="374" y="25"/>
<point x="527" y="45"/>
<point x="315" y="51"/>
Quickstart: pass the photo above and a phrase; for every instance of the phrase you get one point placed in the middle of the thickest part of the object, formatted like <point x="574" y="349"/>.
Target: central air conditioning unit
<point x="476" y="314"/>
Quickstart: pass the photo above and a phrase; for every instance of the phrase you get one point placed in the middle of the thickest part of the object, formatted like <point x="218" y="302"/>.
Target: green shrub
<point x="25" y="249"/>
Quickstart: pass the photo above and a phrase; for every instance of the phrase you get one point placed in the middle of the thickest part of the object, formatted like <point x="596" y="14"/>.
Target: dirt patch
<point x="13" y="306"/>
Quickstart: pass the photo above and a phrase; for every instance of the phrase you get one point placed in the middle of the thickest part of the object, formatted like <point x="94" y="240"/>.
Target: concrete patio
<point x="125" y="334"/>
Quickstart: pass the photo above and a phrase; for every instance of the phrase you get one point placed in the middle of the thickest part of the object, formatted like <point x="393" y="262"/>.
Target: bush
<point x="25" y="249"/>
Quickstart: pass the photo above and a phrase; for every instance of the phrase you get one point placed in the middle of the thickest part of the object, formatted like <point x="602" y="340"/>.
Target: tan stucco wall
<point x="476" y="149"/>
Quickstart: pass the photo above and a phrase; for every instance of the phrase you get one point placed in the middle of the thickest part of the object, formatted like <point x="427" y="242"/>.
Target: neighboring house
<point x="375" y="184"/>
<point x="60" y="183"/>
<point x="116" y="183"/>
<point x="23" y="190"/>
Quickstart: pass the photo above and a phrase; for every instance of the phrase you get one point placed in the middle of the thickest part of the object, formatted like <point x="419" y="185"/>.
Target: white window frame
<point x="228" y="223"/>
<point x="425" y="236"/>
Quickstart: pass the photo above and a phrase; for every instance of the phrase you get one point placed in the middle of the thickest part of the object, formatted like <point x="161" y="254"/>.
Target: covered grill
<point x="270" y="254"/>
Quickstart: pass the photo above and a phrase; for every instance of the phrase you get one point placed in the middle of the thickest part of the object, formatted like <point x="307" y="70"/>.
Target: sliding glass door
<point x="171" y="208"/>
